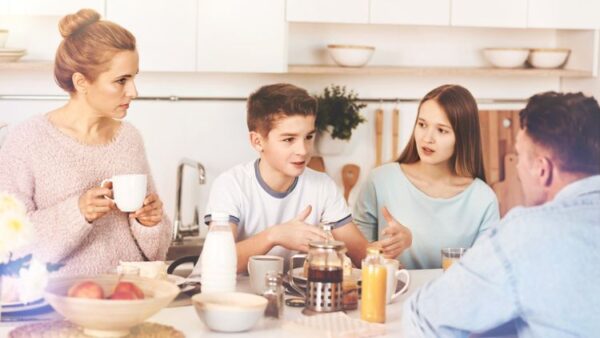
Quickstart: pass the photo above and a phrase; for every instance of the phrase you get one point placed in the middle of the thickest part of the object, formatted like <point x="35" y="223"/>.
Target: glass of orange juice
<point x="451" y="255"/>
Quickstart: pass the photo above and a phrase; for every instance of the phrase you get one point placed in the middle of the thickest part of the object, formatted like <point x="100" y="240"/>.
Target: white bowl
<point x="350" y="55"/>
<point x="105" y="317"/>
<point x="548" y="57"/>
<point x="506" y="57"/>
<point x="3" y="37"/>
<point x="229" y="311"/>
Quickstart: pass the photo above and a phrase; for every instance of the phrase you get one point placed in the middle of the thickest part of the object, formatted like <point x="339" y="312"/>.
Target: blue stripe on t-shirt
<point x="232" y="219"/>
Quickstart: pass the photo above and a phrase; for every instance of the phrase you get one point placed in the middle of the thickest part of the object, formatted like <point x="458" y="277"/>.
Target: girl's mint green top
<point x="435" y="223"/>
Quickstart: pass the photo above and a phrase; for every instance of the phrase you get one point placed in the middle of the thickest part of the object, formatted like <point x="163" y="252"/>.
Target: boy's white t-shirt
<point x="253" y="206"/>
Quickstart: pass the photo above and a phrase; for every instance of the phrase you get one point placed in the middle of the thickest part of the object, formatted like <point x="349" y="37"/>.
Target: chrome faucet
<point x="179" y="229"/>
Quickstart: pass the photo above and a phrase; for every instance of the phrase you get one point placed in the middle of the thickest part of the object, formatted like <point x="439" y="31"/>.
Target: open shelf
<point x="373" y="70"/>
<point x="27" y="65"/>
<point x="431" y="71"/>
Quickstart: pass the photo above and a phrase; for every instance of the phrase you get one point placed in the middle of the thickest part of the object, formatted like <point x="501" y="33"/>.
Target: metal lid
<point x="327" y="245"/>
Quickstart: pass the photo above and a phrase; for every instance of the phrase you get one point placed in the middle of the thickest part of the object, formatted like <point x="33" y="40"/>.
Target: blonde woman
<point x="55" y="162"/>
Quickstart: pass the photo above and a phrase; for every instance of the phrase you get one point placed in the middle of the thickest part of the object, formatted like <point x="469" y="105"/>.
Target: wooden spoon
<point x="350" y="174"/>
<point x="378" y="136"/>
<point x="317" y="163"/>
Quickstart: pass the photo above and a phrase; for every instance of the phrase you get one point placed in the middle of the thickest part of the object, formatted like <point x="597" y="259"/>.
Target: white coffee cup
<point x="258" y="266"/>
<point x="393" y="275"/>
<point x="129" y="191"/>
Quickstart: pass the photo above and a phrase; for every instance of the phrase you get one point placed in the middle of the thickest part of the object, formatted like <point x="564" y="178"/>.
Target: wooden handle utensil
<point x="378" y="135"/>
<point x="350" y="174"/>
<point x="395" y="127"/>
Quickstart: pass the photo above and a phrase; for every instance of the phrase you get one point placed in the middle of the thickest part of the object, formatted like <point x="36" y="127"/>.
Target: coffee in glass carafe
<point x="325" y="274"/>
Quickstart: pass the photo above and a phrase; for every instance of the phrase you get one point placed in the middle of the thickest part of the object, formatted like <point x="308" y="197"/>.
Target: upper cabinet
<point x="410" y="12"/>
<point x="54" y="7"/>
<point x="165" y="33"/>
<point x="576" y="14"/>
<point x="490" y="13"/>
<point x="242" y="36"/>
<point x="332" y="11"/>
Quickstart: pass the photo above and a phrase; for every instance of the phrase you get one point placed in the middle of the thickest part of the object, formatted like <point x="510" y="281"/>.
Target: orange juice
<point x="446" y="262"/>
<point x="374" y="282"/>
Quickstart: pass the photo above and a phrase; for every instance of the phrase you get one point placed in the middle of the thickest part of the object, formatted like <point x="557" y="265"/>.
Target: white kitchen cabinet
<point x="53" y="7"/>
<point x="410" y="12"/>
<point x="489" y="13"/>
<point x="576" y="14"/>
<point x="242" y="36"/>
<point x="165" y="32"/>
<point x="330" y="11"/>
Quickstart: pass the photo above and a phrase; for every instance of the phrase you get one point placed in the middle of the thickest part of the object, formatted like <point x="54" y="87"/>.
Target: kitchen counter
<point x="186" y="320"/>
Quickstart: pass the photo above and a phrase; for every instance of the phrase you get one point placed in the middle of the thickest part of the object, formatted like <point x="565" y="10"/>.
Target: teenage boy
<point x="274" y="202"/>
<point x="536" y="273"/>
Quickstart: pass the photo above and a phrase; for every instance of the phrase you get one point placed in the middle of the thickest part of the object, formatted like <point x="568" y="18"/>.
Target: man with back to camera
<point x="537" y="272"/>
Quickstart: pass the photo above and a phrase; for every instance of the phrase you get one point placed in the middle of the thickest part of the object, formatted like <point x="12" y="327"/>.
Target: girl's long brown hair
<point x="461" y="109"/>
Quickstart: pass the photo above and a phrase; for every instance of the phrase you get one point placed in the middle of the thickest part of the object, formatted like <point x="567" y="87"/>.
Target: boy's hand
<point x="296" y="234"/>
<point x="397" y="237"/>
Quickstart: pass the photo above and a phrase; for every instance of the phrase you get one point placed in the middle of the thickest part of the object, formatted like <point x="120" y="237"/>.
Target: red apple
<point x="123" y="295"/>
<point x="86" y="289"/>
<point x="130" y="288"/>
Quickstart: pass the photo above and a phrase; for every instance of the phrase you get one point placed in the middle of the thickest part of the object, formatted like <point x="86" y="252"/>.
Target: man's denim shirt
<point x="536" y="273"/>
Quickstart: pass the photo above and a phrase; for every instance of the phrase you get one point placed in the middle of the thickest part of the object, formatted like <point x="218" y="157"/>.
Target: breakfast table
<point x="185" y="319"/>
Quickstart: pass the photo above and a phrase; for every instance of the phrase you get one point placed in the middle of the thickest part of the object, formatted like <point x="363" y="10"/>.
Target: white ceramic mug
<point x="393" y="275"/>
<point x="258" y="266"/>
<point x="129" y="191"/>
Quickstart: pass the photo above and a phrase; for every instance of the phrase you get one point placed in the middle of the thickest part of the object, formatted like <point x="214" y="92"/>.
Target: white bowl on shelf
<point x="350" y="55"/>
<point x="548" y="57"/>
<point x="506" y="57"/>
<point x="11" y="55"/>
<point x="229" y="311"/>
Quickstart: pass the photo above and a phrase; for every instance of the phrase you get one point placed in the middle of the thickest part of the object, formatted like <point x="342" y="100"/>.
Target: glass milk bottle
<point x="374" y="278"/>
<point x="218" y="261"/>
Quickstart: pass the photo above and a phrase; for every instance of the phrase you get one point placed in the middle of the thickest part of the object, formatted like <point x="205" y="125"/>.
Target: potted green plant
<point x="338" y="114"/>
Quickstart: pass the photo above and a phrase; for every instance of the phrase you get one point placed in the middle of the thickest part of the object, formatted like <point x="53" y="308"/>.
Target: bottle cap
<point x="373" y="250"/>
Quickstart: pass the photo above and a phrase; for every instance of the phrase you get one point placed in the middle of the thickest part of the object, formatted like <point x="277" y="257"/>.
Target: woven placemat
<point x="65" y="329"/>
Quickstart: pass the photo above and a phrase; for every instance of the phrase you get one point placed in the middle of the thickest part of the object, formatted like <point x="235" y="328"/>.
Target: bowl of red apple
<point x="106" y="305"/>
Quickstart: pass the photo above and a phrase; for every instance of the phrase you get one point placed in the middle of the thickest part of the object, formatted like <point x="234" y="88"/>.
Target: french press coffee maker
<point x="324" y="276"/>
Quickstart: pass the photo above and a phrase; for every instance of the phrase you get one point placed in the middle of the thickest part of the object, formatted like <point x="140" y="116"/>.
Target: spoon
<point x="350" y="174"/>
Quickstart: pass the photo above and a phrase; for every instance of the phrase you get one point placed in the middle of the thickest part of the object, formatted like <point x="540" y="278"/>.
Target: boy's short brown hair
<point x="271" y="102"/>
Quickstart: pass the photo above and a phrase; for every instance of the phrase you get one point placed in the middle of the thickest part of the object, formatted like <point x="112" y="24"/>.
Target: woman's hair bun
<point x="72" y="23"/>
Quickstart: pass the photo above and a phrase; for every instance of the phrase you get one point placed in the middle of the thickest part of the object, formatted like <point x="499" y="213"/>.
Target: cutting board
<point x="509" y="190"/>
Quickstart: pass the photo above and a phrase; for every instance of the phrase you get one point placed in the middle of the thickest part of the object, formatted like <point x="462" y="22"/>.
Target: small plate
<point x="298" y="274"/>
<point x="26" y="309"/>
<point x="180" y="281"/>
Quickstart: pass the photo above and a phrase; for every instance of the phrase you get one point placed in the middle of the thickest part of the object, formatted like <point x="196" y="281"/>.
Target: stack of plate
<point x="11" y="54"/>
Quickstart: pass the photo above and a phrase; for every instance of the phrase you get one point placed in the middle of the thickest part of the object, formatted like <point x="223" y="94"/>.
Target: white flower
<point x="15" y="232"/>
<point x="10" y="203"/>
<point x="33" y="281"/>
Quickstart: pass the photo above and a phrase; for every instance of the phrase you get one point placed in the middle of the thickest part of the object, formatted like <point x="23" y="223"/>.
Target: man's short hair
<point x="568" y="125"/>
<point x="271" y="102"/>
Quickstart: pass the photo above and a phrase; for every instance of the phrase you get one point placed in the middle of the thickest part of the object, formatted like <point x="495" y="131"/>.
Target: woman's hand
<point x="397" y="237"/>
<point x="151" y="213"/>
<point x="94" y="205"/>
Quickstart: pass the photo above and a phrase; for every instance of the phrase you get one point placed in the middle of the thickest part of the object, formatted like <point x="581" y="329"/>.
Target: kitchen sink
<point x="189" y="246"/>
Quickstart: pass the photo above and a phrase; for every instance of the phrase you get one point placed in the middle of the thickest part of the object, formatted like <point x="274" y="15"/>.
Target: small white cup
<point x="393" y="275"/>
<point x="129" y="191"/>
<point x="258" y="266"/>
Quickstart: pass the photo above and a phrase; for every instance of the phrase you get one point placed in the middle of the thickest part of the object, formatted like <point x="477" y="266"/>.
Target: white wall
<point x="215" y="133"/>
